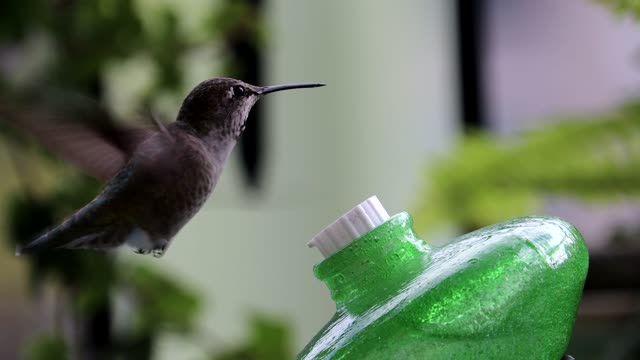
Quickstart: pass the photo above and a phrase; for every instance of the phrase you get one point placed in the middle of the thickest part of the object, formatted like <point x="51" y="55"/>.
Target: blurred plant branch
<point x="487" y="180"/>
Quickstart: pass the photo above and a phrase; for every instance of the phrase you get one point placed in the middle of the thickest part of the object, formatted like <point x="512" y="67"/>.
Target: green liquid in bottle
<point x="509" y="291"/>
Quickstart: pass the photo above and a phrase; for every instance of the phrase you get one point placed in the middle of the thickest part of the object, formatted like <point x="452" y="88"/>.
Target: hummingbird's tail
<point x="85" y="229"/>
<point x="55" y="239"/>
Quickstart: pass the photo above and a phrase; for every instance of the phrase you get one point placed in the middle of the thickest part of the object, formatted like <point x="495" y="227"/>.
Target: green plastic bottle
<point x="508" y="291"/>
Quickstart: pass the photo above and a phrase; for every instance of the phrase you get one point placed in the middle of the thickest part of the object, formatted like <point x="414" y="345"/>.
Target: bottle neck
<point x="375" y="266"/>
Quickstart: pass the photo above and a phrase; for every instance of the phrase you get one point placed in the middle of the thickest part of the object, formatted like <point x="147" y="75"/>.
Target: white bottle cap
<point x="350" y="226"/>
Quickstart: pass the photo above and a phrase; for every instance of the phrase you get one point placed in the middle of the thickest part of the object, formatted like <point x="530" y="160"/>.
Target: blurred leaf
<point x="88" y="35"/>
<point x="229" y="16"/>
<point x="631" y="7"/>
<point x="269" y="340"/>
<point x="28" y="217"/>
<point x="163" y="303"/>
<point x="46" y="348"/>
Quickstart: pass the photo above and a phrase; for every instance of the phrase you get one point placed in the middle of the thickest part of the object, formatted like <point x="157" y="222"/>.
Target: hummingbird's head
<point x="223" y="104"/>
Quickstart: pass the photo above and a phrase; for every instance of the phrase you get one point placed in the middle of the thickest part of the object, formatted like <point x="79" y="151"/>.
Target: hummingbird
<point x="158" y="179"/>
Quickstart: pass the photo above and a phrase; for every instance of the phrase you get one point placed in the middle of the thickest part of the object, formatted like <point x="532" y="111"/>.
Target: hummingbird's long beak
<point x="269" y="89"/>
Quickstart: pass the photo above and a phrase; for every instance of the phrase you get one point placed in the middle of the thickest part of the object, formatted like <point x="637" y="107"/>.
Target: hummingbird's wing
<point x="91" y="140"/>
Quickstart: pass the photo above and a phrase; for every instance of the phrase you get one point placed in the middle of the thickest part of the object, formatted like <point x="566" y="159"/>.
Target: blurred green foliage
<point x="86" y="37"/>
<point x="269" y="340"/>
<point x="72" y="46"/>
<point x="490" y="179"/>
<point x="85" y="34"/>
<point x="47" y="348"/>
<point x="162" y="303"/>
<point x="631" y="7"/>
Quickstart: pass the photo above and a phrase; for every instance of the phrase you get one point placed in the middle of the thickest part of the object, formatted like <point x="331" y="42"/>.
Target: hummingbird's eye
<point x="238" y="91"/>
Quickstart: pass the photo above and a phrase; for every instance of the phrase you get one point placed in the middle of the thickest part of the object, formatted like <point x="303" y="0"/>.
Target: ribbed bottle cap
<point x="350" y="226"/>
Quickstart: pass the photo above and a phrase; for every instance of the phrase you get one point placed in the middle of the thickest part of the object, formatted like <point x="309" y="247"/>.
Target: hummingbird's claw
<point x="158" y="252"/>
<point x="141" y="251"/>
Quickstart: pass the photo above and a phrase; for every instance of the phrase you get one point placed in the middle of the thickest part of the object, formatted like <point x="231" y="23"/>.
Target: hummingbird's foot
<point x="158" y="252"/>
<point x="141" y="251"/>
